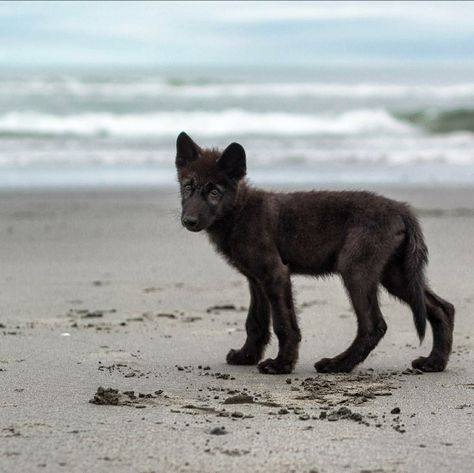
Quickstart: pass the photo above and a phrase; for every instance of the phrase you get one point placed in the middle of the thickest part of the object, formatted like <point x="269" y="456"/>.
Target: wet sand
<point x="104" y="289"/>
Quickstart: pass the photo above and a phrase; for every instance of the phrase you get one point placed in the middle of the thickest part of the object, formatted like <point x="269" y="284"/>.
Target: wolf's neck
<point x="221" y="229"/>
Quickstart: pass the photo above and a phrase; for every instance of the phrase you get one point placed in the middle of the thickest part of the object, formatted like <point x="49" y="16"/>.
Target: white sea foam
<point x="204" y="123"/>
<point x="159" y="87"/>
<point x="270" y="153"/>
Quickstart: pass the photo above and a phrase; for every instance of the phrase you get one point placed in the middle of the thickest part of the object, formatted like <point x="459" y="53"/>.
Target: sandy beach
<point x="104" y="288"/>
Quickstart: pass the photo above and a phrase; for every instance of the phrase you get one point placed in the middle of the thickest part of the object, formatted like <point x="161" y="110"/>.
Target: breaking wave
<point x="233" y="122"/>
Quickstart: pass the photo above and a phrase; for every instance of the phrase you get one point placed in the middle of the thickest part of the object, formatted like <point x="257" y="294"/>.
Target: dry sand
<point x="105" y="289"/>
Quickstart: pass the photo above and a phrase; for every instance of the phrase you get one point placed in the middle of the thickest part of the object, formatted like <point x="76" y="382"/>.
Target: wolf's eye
<point x="214" y="193"/>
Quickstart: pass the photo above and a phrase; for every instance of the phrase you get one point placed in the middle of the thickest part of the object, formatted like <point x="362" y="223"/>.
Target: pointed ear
<point x="233" y="162"/>
<point x="186" y="150"/>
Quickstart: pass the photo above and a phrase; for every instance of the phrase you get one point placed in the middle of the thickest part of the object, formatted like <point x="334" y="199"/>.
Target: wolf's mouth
<point x="194" y="229"/>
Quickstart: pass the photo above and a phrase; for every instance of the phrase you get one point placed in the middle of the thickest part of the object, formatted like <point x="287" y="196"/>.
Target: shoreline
<point x="422" y="196"/>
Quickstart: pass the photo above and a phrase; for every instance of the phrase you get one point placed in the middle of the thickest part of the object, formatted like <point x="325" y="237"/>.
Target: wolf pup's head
<point x="209" y="181"/>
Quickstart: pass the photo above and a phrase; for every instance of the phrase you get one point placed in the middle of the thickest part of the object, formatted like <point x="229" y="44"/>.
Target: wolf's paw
<point x="275" y="366"/>
<point x="429" y="364"/>
<point x="333" y="365"/>
<point x="241" y="357"/>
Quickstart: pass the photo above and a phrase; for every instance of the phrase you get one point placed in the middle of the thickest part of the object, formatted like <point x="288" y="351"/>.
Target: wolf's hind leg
<point x="441" y="317"/>
<point x="371" y="326"/>
<point x="257" y="327"/>
<point x="361" y="263"/>
<point x="440" y="314"/>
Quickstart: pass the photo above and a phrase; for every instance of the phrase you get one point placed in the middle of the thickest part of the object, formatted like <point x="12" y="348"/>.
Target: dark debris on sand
<point x="217" y="308"/>
<point x="89" y="314"/>
<point x="218" y="431"/>
<point x="239" y="399"/>
<point x="345" y="413"/>
<point x="352" y="389"/>
<point x="113" y="397"/>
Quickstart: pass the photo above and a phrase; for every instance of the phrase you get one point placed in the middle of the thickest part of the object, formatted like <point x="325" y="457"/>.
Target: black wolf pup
<point x="365" y="238"/>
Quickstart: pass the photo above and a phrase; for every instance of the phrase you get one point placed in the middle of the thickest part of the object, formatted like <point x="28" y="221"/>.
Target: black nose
<point x="190" y="222"/>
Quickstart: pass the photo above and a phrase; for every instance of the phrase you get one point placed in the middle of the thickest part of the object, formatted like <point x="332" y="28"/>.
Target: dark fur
<point x="365" y="238"/>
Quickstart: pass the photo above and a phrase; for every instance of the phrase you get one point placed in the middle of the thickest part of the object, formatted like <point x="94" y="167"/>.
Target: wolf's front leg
<point x="257" y="327"/>
<point x="277" y="287"/>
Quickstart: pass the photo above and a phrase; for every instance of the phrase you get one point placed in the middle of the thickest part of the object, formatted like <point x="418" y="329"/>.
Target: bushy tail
<point x="414" y="262"/>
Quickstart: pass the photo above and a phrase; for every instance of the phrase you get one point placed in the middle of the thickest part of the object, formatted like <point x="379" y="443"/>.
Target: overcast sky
<point x="248" y="33"/>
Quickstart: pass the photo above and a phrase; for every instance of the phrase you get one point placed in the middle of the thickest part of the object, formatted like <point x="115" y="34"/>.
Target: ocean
<point x="314" y="126"/>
